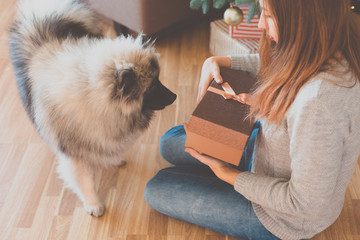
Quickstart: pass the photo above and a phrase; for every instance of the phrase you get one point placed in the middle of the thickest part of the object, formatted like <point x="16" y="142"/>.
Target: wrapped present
<point x="221" y="44"/>
<point x="219" y="126"/>
<point x="244" y="29"/>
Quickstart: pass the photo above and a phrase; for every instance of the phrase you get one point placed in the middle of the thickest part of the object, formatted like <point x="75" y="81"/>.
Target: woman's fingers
<point x="210" y="71"/>
<point x="211" y="162"/>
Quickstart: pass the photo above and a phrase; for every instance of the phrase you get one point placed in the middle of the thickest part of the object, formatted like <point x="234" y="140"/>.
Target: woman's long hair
<point x="311" y="32"/>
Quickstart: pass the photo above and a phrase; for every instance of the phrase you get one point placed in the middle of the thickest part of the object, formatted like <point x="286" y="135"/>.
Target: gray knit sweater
<point x="302" y="167"/>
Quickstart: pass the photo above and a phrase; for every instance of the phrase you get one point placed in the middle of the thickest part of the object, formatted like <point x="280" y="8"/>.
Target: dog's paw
<point x="95" y="210"/>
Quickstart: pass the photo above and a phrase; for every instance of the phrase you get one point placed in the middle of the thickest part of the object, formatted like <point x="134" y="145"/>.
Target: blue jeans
<point x="190" y="191"/>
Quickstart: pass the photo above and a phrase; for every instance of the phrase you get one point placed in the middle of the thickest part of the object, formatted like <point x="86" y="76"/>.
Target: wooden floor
<point x="33" y="202"/>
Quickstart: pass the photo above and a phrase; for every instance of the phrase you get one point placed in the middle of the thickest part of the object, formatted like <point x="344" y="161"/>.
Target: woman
<point x="307" y="103"/>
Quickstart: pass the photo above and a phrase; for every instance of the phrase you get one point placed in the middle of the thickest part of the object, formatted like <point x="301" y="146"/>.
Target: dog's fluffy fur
<point x="89" y="97"/>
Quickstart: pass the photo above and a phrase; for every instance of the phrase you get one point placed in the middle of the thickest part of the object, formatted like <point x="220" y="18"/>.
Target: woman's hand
<point x="221" y="169"/>
<point x="211" y="70"/>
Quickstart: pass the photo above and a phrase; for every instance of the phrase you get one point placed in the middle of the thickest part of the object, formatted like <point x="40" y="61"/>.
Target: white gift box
<point x="221" y="44"/>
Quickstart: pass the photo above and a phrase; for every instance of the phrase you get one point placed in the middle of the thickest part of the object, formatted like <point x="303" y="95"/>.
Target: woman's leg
<point x="199" y="197"/>
<point x="190" y="191"/>
<point x="172" y="146"/>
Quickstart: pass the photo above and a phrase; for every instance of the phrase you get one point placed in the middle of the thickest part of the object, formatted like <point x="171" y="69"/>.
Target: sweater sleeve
<point x="246" y="62"/>
<point x="316" y="132"/>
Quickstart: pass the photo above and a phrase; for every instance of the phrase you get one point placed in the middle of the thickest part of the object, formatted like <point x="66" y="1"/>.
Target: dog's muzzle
<point x="158" y="96"/>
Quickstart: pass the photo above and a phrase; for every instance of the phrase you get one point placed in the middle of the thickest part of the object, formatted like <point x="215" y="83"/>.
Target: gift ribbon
<point x="229" y="93"/>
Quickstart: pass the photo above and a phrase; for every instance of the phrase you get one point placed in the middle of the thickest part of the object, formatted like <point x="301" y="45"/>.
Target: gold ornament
<point x="233" y="16"/>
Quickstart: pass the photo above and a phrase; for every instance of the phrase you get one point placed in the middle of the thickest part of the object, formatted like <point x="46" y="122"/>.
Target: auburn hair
<point x="311" y="33"/>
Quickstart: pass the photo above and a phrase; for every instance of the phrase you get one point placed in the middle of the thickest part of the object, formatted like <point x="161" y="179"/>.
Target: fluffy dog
<point x="88" y="96"/>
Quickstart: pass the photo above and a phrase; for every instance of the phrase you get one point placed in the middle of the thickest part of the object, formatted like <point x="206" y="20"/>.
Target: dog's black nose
<point x="158" y="96"/>
<point x="170" y="96"/>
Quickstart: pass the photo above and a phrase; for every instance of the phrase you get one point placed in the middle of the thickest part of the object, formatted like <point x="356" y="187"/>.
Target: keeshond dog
<point x="88" y="96"/>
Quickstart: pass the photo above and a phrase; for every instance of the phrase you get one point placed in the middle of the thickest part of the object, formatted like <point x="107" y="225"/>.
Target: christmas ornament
<point x="205" y="5"/>
<point x="355" y="6"/>
<point x="233" y="16"/>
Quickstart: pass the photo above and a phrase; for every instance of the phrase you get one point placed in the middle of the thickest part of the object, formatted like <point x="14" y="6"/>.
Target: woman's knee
<point x="172" y="141"/>
<point x="150" y="193"/>
<point x="158" y="191"/>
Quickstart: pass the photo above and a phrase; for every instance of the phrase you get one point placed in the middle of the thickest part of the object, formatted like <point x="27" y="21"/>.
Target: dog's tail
<point x="39" y="22"/>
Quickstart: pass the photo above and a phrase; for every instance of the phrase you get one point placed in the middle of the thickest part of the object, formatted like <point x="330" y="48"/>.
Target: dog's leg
<point x="79" y="177"/>
<point x="85" y="178"/>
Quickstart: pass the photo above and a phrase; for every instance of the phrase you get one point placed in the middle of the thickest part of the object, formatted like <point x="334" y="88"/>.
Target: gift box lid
<point x="228" y="113"/>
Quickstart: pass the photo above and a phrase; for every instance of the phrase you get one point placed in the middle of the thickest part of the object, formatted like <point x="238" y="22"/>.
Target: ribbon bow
<point x="229" y="93"/>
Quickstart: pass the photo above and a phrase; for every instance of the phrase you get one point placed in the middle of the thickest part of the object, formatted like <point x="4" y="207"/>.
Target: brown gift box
<point x="219" y="127"/>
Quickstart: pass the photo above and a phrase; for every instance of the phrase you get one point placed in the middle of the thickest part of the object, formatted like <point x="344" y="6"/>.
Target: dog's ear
<point x="145" y="40"/>
<point x="125" y="80"/>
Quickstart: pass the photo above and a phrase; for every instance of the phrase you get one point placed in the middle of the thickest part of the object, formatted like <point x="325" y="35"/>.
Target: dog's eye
<point x="151" y="87"/>
<point x="154" y="65"/>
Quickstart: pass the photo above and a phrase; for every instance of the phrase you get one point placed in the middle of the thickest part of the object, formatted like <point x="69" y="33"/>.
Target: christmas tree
<point x="254" y="6"/>
<point x="206" y="4"/>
